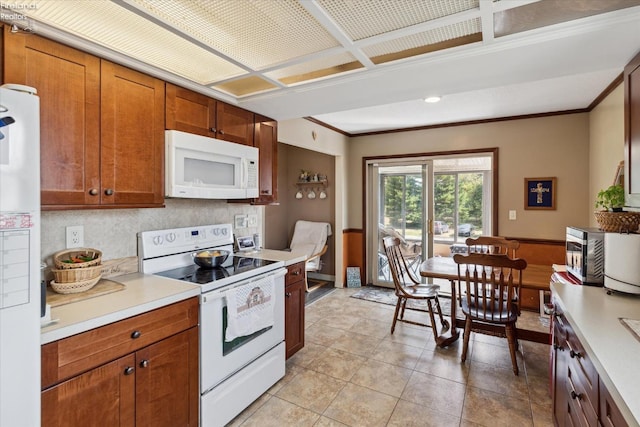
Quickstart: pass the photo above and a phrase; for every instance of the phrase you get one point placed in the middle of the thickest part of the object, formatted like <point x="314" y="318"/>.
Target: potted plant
<point x="612" y="218"/>
<point x="611" y="199"/>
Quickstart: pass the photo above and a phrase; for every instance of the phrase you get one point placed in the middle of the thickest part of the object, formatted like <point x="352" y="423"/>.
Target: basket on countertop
<point x="71" y="275"/>
<point x="64" y="260"/>
<point x="618" y="222"/>
<point x="75" y="287"/>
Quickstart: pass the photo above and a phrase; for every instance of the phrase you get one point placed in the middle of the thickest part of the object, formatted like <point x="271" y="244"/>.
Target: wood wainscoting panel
<point x="353" y="251"/>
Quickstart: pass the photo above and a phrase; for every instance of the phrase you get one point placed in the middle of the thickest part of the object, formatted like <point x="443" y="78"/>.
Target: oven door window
<point x="229" y="347"/>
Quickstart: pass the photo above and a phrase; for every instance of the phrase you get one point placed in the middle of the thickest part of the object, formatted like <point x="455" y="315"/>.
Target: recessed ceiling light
<point x="432" y="99"/>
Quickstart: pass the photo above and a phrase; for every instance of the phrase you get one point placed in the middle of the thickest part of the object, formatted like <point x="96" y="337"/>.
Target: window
<point x="462" y="194"/>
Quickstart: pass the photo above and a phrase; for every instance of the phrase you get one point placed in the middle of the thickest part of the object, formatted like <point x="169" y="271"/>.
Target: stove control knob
<point x="157" y="240"/>
<point x="171" y="237"/>
<point x="216" y="231"/>
<point x="224" y="231"/>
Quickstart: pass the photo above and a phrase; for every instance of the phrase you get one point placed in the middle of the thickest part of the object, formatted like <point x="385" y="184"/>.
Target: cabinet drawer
<point x="582" y="367"/>
<point x="71" y="356"/>
<point x="295" y="273"/>
<point x="582" y="410"/>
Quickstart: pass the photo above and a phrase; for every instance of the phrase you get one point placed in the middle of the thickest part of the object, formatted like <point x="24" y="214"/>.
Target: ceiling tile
<point x="258" y="34"/>
<point x="107" y="24"/>
<point x="420" y="43"/>
<point x="315" y="69"/>
<point x="367" y="18"/>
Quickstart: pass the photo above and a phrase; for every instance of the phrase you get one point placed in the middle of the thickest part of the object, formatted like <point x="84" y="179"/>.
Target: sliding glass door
<point x="400" y="194"/>
<point x="432" y="203"/>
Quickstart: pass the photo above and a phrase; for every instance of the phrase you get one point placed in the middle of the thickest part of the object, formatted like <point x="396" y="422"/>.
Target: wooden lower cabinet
<point x="579" y="396"/>
<point x="294" y="292"/>
<point x="155" y="385"/>
<point x="102" y="396"/>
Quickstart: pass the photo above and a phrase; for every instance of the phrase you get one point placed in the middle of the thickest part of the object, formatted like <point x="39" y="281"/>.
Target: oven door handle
<point x="212" y="296"/>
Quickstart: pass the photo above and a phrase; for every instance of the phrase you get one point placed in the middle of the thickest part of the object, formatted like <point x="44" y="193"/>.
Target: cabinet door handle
<point x="575" y="354"/>
<point x="575" y="395"/>
<point x="221" y="132"/>
<point x="214" y="130"/>
<point x="93" y="192"/>
<point x="136" y="334"/>
<point x="129" y="370"/>
<point x="287" y="294"/>
<point x="295" y="273"/>
<point x="144" y="363"/>
<point x="108" y="192"/>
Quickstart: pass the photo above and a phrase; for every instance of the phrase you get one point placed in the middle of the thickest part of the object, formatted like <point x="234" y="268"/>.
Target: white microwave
<point x="199" y="167"/>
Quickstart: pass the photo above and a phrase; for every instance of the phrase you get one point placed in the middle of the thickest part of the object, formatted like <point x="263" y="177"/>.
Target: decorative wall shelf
<point x="306" y="184"/>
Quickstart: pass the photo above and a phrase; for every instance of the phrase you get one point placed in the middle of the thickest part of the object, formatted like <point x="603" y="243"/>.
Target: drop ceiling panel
<point x="363" y="19"/>
<point x="119" y="29"/>
<point x="432" y="37"/>
<point x="317" y="68"/>
<point x="258" y="34"/>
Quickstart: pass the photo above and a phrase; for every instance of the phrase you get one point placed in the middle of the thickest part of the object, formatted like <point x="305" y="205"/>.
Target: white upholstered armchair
<point x="310" y="239"/>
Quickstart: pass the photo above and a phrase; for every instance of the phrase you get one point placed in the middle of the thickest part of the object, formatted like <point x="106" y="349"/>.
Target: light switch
<point x="512" y="215"/>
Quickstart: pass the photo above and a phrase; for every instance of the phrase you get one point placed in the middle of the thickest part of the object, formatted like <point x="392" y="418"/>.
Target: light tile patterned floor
<point x="353" y="372"/>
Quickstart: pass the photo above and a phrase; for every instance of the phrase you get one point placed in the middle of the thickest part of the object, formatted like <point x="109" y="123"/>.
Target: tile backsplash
<point x="114" y="231"/>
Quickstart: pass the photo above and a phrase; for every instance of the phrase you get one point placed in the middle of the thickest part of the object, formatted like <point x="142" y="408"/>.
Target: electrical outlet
<point x="252" y="220"/>
<point x="240" y="221"/>
<point x="75" y="236"/>
<point x="512" y="215"/>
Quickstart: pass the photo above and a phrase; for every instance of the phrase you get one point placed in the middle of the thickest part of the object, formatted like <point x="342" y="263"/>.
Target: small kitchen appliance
<point x="199" y="167"/>
<point x="20" y="287"/>
<point x="621" y="268"/>
<point x="239" y="359"/>
<point x="585" y="255"/>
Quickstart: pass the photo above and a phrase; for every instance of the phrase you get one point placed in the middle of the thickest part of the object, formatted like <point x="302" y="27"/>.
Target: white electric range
<point x="233" y="372"/>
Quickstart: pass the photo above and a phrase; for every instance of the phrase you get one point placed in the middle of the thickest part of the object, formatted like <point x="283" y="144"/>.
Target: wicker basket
<point x="60" y="257"/>
<point x="76" y="274"/>
<point x="617" y="222"/>
<point x="74" y="287"/>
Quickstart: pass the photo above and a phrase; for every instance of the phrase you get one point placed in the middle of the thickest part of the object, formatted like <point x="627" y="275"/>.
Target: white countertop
<point x="276" y="255"/>
<point x="615" y="352"/>
<point x="142" y="293"/>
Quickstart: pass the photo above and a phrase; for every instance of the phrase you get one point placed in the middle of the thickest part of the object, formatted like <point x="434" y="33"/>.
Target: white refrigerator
<point x="19" y="256"/>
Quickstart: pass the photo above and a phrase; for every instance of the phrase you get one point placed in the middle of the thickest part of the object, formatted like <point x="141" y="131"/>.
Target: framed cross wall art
<point x="540" y="193"/>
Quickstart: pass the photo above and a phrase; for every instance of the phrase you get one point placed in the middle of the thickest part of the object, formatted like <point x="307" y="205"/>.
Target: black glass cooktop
<point x="233" y="265"/>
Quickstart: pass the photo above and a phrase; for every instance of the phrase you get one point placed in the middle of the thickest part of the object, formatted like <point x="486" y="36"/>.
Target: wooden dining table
<point x="533" y="277"/>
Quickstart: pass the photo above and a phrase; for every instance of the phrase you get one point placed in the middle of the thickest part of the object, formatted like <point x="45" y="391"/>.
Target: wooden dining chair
<point x="491" y="282"/>
<point x="492" y="245"/>
<point x="407" y="287"/>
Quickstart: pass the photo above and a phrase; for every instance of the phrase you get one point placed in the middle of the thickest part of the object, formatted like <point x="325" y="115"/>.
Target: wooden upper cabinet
<point x="266" y="140"/>
<point x="101" y="125"/>
<point x="132" y="137"/>
<point x="68" y="84"/>
<point x="234" y="124"/>
<point x="190" y="111"/>
<point x="632" y="132"/>
<point x="195" y="113"/>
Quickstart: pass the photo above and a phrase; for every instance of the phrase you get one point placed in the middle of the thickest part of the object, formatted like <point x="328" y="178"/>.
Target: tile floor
<point x="353" y="372"/>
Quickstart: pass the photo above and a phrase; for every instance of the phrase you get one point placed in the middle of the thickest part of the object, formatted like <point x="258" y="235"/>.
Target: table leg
<point x="452" y="334"/>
